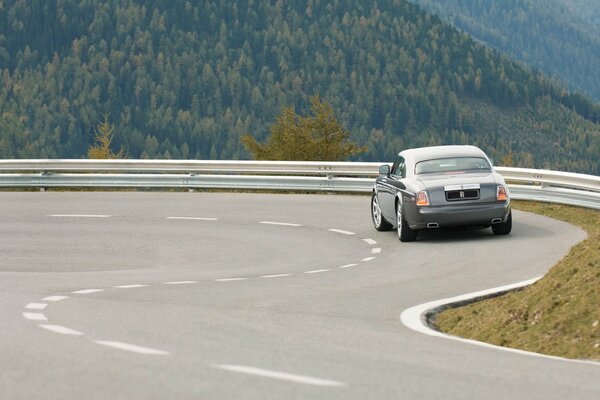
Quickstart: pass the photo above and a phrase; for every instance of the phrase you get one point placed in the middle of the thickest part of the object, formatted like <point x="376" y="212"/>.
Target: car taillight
<point x="502" y="193"/>
<point x="422" y="198"/>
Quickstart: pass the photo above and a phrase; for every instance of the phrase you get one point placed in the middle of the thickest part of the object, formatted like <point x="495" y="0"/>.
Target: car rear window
<point x="453" y="164"/>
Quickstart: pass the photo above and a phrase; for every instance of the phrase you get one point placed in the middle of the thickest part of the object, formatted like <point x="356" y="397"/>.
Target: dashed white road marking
<point x="283" y="376"/>
<point x="316" y="271"/>
<point x="145" y="350"/>
<point x="61" y="329"/>
<point x="131" y="347"/>
<point x="195" y="218"/>
<point x="79" y="216"/>
<point x="55" y="298"/>
<point x="34" y="316"/>
<point x="342" y="232"/>
<point x="87" y="291"/>
<point x="36" y="306"/>
<point x="129" y="286"/>
<point x="230" y="279"/>
<point x="279" y="223"/>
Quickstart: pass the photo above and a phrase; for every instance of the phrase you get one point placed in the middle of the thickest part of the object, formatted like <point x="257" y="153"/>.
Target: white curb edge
<point x="415" y="318"/>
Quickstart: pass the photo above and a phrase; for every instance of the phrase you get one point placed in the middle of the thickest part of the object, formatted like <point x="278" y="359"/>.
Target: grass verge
<point x="558" y="315"/>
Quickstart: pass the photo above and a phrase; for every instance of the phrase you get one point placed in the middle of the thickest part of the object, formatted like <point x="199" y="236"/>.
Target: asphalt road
<point x="253" y="296"/>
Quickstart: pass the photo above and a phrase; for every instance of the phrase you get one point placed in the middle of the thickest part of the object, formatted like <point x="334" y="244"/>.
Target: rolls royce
<point x="440" y="187"/>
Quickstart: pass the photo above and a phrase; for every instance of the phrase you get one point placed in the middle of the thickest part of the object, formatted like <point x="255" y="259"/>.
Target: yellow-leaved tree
<point x="103" y="135"/>
<point x="316" y="137"/>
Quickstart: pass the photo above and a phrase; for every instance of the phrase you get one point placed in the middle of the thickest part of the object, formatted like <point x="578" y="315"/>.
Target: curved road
<point x="253" y="296"/>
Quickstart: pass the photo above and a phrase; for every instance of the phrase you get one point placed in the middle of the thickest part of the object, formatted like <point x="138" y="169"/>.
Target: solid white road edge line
<point x="131" y="347"/>
<point x="279" y="223"/>
<point x="283" y="376"/>
<point x="414" y="318"/>
<point x="61" y="329"/>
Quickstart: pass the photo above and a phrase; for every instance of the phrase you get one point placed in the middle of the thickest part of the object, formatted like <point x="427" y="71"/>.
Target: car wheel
<point x="378" y="220"/>
<point x="405" y="233"/>
<point x="503" y="228"/>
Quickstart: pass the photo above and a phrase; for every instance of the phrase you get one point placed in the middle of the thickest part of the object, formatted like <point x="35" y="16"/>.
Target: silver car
<point x="440" y="187"/>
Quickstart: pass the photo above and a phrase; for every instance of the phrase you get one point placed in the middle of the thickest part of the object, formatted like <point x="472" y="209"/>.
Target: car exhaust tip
<point x="496" y="221"/>
<point x="433" y="225"/>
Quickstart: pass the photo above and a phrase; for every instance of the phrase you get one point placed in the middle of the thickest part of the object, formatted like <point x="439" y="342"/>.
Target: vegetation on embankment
<point x="559" y="315"/>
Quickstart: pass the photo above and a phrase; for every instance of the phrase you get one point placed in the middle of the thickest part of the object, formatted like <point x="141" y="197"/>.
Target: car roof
<point x="433" y="152"/>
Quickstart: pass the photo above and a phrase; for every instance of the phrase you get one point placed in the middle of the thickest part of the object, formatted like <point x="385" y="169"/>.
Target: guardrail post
<point x="42" y="174"/>
<point x="190" y="189"/>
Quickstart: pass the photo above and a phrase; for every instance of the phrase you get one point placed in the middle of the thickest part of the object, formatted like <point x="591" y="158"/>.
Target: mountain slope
<point x="186" y="80"/>
<point x="560" y="37"/>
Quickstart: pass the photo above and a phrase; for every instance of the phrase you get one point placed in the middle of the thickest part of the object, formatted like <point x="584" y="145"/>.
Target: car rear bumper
<point x="457" y="215"/>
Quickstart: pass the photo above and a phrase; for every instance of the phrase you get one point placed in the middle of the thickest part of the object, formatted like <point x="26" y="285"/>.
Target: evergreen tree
<point x="317" y="137"/>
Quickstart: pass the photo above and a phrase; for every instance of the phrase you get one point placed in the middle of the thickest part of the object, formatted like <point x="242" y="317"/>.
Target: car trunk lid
<point x="453" y="187"/>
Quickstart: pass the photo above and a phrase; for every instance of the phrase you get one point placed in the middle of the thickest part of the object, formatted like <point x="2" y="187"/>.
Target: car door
<point x="390" y="185"/>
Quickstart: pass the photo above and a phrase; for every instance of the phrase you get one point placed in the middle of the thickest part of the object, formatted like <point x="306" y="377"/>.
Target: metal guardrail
<point x="543" y="185"/>
<point x="196" y="166"/>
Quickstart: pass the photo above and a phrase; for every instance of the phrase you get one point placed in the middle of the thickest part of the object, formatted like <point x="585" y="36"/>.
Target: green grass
<point x="558" y="315"/>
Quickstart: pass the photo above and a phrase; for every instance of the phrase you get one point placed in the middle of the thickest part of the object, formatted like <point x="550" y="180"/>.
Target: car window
<point x="454" y="164"/>
<point x="399" y="167"/>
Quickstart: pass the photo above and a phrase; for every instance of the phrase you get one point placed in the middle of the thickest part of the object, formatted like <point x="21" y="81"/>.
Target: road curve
<point x="253" y="296"/>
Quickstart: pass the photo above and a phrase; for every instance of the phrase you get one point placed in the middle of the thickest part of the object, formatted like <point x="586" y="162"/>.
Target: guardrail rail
<point x="526" y="184"/>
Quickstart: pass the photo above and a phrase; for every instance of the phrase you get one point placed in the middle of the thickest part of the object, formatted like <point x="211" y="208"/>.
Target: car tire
<point x="405" y="233"/>
<point x="379" y="221"/>
<point x="503" y="228"/>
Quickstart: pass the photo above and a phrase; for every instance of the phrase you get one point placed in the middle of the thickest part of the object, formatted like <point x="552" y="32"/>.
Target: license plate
<point x="466" y="194"/>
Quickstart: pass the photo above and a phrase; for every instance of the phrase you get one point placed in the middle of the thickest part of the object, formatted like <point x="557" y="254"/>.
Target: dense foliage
<point x="188" y="79"/>
<point x="315" y="137"/>
<point x="585" y="12"/>
<point x="101" y="149"/>
<point x="560" y="37"/>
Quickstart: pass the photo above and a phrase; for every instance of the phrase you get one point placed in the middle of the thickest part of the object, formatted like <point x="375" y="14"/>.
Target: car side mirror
<point x="384" y="170"/>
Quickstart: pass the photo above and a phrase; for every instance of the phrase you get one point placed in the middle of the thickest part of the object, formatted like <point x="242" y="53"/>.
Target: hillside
<point x="586" y="13"/>
<point x="558" y="315"/>
<point x="559" y="37"/>
<point x="186" y="80"/>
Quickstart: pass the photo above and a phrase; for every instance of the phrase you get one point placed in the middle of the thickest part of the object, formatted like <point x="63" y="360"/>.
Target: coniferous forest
<point x="182" y="79"/>
<point x="560" y="37"/>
